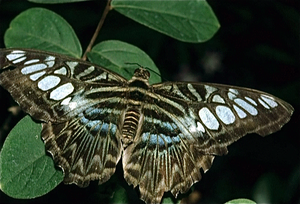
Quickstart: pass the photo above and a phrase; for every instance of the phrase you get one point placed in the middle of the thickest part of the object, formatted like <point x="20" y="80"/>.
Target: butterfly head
<point x="142" y="73"/>
<point x="140" y="78"/>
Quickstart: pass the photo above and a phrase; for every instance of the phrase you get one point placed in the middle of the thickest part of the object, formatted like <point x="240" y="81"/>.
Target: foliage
<point x="258" y="47"/>
<point x="25" y="168"/>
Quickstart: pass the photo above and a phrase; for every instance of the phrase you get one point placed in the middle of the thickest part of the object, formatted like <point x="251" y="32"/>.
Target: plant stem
<point x="100" y="24"/>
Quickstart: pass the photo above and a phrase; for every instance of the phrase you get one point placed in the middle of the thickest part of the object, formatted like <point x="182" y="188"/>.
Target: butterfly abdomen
<point x="130" y="124"/>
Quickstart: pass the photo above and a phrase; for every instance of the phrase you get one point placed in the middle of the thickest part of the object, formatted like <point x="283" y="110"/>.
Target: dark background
<point x="257" y="46"/>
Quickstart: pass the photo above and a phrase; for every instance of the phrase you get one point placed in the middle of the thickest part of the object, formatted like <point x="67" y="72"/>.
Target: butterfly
<point x="163" y="133"/>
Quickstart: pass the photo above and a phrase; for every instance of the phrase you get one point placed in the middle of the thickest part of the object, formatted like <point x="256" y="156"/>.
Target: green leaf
<point x="269" y="189"/>
<point x="170" y="200"/>
<point x="115" y="55"/>
<point x="42" y="29"/>
<point x="120" y="195"/>
<point x="25" y="169"/>
<point x="241" y="201"/>
<point x="188" y="21"/>
<point x="55" y="1"/>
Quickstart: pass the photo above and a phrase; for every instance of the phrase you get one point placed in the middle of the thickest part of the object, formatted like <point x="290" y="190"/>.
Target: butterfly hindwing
<point x="86" y="148"/>
<point x="163" y="158"/>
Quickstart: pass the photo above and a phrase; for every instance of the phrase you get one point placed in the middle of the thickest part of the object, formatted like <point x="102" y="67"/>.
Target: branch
<point x="100" y="24"/>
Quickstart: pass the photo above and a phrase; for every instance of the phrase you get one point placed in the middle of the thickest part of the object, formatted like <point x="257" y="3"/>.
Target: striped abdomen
<point x="130" y="125"/>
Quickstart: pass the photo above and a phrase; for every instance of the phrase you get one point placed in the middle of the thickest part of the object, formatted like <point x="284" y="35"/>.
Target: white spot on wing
<point x="263" y="103"/>
<point x="66" y="101"/>
<point x="218" y="99"/>
<point x="196" y="128"/>
<point x="234" y="91"/>
<point x="240" y="112"/>
<point x="72" y="105"/>
<point x="200" y="127"/>
<point x="36" y="76"/>
<point x="50" y="61"/>
<point x="15" y="55"/>
<point x="246" y="106"/>
<point x="19" y="60"/>
<point x="225" y="114"/>
<point x="231" y="96"/>
<point x="269" y="100"/>
<point x="251" y="100"/>
<point x="33" y="68"/>
<point x="62" y="91"/>
<point x="62" y="71"/>
<point x="208" y="119"/>
<point x="49" y="58"/>
<point x="31" y="61"/>
<point x="48" y="82"/>
<point x="72" y="65"/>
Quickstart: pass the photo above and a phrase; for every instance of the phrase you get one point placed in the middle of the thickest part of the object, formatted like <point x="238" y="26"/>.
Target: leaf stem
<point x="100" y="24"/>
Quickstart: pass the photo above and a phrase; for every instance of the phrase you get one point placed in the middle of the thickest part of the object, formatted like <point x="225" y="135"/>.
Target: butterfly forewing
<point x="219" y="109"/>
<point x="167" y="132"/>
<point x="55" y="88"/>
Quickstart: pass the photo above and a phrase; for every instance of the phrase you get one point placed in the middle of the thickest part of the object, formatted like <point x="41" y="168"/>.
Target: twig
<point x="89" y="47"/>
